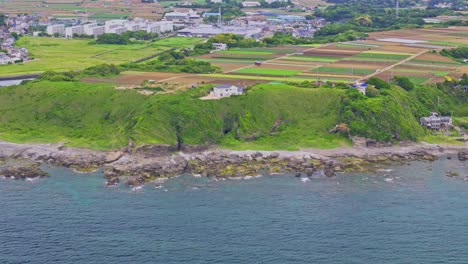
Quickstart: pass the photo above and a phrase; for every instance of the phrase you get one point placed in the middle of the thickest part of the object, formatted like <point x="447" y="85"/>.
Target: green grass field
<point x="311" y="58"/>
<point x="263" y="71"/>
<point x="343" y="70"/>
<point x="379" y="56"/>
<point x="52" y="54"/>
<point x="177" y="42"/>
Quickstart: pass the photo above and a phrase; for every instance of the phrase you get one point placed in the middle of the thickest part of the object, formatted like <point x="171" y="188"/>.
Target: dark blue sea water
<point x="413" y="214"/>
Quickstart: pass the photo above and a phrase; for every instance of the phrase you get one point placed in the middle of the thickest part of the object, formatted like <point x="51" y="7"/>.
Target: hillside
<point x="267" y="117"/>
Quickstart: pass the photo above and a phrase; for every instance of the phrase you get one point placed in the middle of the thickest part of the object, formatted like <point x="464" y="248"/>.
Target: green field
<point x="312" y="58"/>
<point x="379" y="56"/>
<point x="343" y="70"/>
<point x="263" y="71"/>
<point x="75" y="54"/>
<point x="429" y="62"/>
<point x="177" y="42"/>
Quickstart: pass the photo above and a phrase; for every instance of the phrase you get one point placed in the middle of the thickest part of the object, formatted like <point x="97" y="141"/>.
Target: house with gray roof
<point x="226" y="90"/>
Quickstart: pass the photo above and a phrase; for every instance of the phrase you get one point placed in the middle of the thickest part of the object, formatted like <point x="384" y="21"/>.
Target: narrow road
<point x="391" y="66"/>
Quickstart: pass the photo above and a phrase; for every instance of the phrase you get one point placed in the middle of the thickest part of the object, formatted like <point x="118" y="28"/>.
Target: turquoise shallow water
<point x="412" y="214"/>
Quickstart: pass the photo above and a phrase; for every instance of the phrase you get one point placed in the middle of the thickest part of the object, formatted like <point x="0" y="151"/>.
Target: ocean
<point x="405" y="214"/>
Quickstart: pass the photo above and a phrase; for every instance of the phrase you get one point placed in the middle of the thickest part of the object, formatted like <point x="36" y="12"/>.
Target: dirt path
<point x="391" y="66"/>
<point x="176" y="77"/>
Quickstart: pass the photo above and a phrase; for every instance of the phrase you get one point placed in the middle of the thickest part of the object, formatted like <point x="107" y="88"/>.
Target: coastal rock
<point x="451" y="174"/>
<point x="462" y="156"/>
<point x="273" y="155"/>
<point x="23" y="172"/>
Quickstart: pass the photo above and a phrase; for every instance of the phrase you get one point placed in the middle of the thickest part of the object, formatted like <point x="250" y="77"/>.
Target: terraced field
<point x="348" y="61"/>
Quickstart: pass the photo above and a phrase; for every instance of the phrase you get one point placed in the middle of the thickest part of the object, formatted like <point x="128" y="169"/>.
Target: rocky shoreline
<point x="137" y="166"/>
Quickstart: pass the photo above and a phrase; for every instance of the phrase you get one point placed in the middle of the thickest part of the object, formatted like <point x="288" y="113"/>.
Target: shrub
<point x="378" y="83"/>
<point x="404" y="82"/>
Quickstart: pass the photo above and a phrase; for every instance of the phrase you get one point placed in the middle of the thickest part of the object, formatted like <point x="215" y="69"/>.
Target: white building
<point x="94" y="29"/>
<point x="133" y="26"/>
<point x="250" y="4"/>
<point x="182" y="16"/>
<point x="160" y="27"/>
<point x="177" y="16"/>
<point x="112" y="26"/>
<point x="226" y="90"/>
<point x="206" y="31"/>
<point x="219" y="46"/>
<point x="274" y="1"/>
<point x="70" y="31"/>
<point x="53" y="29"/>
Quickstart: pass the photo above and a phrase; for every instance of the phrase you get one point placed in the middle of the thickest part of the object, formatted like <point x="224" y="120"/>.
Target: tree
<point x="404" y="82"/>
<point x="364" y="20"/>
<point x="15" y="35"/>
<point x="111" y="38"/>
<point x="378" y="83"/>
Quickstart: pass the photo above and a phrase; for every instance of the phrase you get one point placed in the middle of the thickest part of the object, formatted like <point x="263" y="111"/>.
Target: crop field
<point x="93" y="9"/>
<point x="54" y="54"/>
<point x="346" y="61"/>
<point x="267" y="71"/>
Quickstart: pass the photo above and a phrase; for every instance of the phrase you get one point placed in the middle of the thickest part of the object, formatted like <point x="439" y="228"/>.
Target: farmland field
<point x="347" y="61"/>
<point x="266" y="71"/>
<point x="92" y="9"/>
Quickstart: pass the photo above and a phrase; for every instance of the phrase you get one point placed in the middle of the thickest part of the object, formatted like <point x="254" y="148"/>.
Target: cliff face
<point x="268" y="117"/>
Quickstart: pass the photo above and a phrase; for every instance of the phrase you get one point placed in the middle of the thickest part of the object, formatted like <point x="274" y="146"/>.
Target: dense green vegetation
<point x="275" y="116"/>
<point x="125" y="38"/>
<point x="173" y="61"/>
<point x="459" y="53"/>
<point x="373" y="15"/>
<point x="2" y="19"/>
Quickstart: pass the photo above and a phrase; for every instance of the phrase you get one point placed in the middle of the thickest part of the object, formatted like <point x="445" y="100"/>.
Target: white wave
<point x="32" y="179"/>
<point x="197" y="175"/>
<point x="305" y="179"/>
<point x="248" y="177"/>
<point x="388" y="179"/>
<point x="137" y="188"/>
<point x="384" y="170"/>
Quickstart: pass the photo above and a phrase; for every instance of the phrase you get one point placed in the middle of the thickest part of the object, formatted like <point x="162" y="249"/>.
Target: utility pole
<point x="397" y="12"/>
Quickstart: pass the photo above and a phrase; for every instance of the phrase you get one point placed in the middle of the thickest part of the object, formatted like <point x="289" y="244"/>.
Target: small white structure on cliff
<point x="226" y="90"/>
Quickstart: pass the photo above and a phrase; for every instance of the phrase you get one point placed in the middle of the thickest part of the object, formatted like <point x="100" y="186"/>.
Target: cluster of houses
<point x="254" y="25"/>
<point x="9" y="54"/>
<point x="116" y="26"/>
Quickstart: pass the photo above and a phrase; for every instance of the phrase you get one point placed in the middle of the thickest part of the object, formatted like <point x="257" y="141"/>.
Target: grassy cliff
<point x="267" y="117"/>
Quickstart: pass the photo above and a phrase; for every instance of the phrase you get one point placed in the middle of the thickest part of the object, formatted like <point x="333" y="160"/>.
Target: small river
<point x="406" y="214"/>
<point x="11" y="82"/>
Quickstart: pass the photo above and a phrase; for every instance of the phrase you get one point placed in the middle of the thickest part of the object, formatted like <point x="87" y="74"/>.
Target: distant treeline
<point x="373" y="15"/>
<point x="458" y="53"/>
